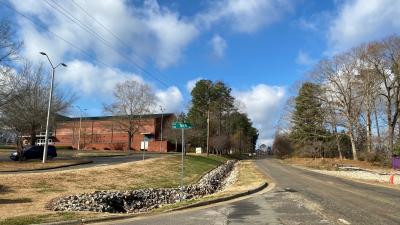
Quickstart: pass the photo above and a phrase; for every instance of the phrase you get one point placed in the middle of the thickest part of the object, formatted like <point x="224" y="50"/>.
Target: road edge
<point x="378" y="184"/>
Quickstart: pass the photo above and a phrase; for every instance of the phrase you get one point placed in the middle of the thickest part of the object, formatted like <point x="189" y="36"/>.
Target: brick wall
<point x="106" y="133"/>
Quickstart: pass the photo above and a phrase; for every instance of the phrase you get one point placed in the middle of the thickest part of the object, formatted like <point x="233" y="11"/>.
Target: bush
<point x="396" y="150"/>
<point x="107" y="149"/>
<point x="377" y="158"/>
<point x="282" y="146"/>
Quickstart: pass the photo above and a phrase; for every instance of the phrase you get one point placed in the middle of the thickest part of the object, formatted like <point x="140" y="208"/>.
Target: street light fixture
<point x="46" y="139"/>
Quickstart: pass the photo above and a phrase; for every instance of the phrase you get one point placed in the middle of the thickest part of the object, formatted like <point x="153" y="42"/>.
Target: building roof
<point x="62" y="118"/>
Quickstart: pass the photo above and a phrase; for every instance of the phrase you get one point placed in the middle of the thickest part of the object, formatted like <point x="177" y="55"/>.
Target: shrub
<point x="396" y="150"/>
<point x="282" y="146"/>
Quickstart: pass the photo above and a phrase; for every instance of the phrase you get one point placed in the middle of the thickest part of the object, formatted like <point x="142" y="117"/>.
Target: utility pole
<point x="80" y="126"/>
<point x="183" y="151"/>
<point x="208" y="132"/>
<point x="162" y="117"/>
<point x="46" y="138"/>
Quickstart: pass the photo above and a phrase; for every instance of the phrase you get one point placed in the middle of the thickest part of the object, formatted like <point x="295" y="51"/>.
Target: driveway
<point x="300" y="197"/>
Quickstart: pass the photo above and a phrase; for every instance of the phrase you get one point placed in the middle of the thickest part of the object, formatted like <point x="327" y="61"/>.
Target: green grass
<point x="45" y="218"/>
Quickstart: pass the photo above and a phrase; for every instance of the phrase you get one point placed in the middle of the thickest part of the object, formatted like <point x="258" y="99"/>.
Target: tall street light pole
<point x="46" y="139"/>
<point x="162" y="118"/>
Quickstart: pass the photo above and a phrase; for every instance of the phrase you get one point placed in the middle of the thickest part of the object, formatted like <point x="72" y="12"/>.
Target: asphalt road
<point x="100" y="161"/>
<point x="300" y="197"/>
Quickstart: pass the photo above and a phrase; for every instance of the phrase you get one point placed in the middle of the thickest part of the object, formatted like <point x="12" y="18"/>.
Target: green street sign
<point x="179" y="125"/>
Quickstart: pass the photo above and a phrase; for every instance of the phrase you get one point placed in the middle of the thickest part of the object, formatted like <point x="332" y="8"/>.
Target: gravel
<point x="363" y="175"/>
<point x="147" y="199"/>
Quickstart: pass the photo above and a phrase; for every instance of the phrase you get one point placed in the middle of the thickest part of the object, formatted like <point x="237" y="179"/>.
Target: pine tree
<point x="307" y="118"/>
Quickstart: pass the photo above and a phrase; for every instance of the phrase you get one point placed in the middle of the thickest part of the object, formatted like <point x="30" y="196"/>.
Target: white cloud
<point x="89" y="79"/>
<point x="94" y="82"/>
<point x="246" y="16"/>
<point x="170" y="99"/>
<point x="192" y="83"/>
<point x="219" y="46"/>
<point x="304" y="59"/>
<point x="148" y="31"/>
<point x="363" y="20"/>
<point x="262" y="104"/>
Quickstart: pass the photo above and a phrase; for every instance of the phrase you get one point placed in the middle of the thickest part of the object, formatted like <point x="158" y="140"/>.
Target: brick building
<point x="105" y="133"/>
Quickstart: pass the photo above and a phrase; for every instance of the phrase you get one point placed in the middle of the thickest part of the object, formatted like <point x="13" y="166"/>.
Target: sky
<point x="260" y="48"/>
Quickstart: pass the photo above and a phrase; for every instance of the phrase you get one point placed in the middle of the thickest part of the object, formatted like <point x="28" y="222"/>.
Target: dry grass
<point x="249" y="177"/>
<point x="6" y="152"/>
<point x="37" y="164"/>
<point x="332" y="163"/>
<point x="28" y="194"/>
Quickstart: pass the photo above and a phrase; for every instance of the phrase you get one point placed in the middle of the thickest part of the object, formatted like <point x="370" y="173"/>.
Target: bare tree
<point x="8" y="53"/>
<point x="341" y="89"/>
<point x="27" y="113"/>
<point x="8" y="47"/>
<point x="384" y="60"/>
<point x="131" y="101"/>
<point x="370" y="86"/>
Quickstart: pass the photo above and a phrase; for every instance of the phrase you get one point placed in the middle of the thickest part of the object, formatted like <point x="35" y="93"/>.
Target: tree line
<point x="348" y="107"/>
<point x="228" y="128"/>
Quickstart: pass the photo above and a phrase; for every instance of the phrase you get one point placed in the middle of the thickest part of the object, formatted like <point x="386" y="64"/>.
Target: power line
<point x="99" y="37"/>
<point x="101" y="24"/>
<point x="55" y="34"/>
<point x="123" y="43"/>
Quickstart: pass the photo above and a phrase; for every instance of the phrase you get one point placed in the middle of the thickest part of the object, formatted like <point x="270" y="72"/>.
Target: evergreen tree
<point x="308" y="119"/>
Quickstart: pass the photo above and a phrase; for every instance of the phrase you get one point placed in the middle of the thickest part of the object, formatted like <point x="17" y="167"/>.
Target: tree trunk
<point x="369" y="131"/>
<point x="129" y="141"/>
<point x="353" y="144"/>
<point x="390" y="132"/>
<point x="377" y="126"/>
<point x="339" y="148"/>
<point x="33" y="137"/>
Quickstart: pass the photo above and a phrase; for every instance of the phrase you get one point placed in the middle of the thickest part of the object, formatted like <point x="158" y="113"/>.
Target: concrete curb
<point x="49" y="168"/>
<point x="223" y="199"/>
<point x="194" y="205"/>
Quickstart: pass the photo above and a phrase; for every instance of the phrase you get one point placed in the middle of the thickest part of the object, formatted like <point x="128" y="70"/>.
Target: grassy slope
<point x="248" y="177"/>
<point x="22" y="195"/>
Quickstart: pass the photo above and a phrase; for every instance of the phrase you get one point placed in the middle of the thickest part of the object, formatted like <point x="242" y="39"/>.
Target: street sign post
<point x="179" y="125"/>
<point x="182" y="126"/>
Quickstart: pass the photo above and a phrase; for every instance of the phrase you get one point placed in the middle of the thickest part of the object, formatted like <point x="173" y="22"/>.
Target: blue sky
<point x="259" y="47"/>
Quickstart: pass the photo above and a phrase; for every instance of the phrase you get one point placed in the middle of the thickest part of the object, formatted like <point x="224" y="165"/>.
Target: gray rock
<point x="144" y="199"/>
